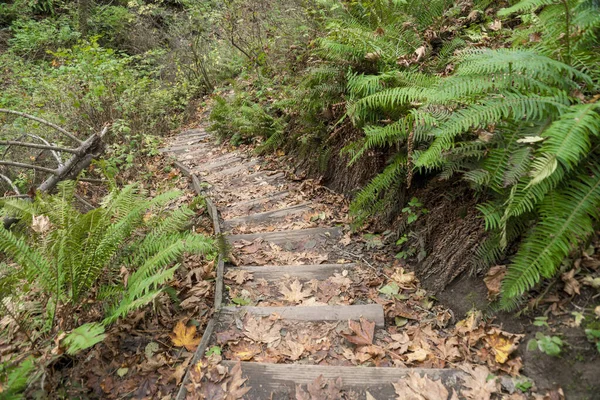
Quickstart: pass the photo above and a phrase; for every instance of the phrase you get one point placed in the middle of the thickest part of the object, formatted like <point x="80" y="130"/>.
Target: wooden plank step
<point x="280" y="237"/>
<point x="371" y="312"/>
<point x="302" y="272"/>
<point x="278" y="381"/>
<point x="215" y="165"/>
<point x="260" y="200"/>
<point x="181" y="148"/>
<point x="257" y="178"/>
<point x="235" y="170"/>
<point x="267" y="215"/>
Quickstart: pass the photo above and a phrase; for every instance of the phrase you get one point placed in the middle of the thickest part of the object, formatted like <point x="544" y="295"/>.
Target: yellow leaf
<point x="185" y="336"/>
<point x="502" y="347"/>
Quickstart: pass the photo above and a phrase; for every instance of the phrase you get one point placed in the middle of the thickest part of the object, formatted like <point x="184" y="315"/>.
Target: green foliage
<point x="520" y="124"/>
<point x="71" y="252"/>
<point x="84" y="337"/>
<point x="14" y="378"/>
<point x="551" y="345"/>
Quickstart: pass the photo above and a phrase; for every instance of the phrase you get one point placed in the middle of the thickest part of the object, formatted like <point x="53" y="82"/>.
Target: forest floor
<point x="314" y="310"/>
<point x="308" y="303"/>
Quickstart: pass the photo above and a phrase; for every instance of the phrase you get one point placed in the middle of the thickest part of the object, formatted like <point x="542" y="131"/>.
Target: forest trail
<point x="301" y="307"/>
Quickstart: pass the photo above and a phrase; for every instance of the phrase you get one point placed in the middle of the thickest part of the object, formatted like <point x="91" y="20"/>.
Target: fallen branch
<point x="37" y="146"/>
<point x="12" y="185"/>
<point x="28" y="166"/>
<point x="42" y="121"/>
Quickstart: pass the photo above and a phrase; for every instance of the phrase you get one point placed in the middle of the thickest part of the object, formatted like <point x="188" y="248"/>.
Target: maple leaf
<point x="294" y="293"/>
<point x="502" y="344"/>
<point x="265" y="332"/>
<point x="236" y="387"/>
<point x="476" y="382"/>
<point x="239" y="276"/>
<point x="362" y="332"/>
<point x="294" y="350"/>
<point x="321" y="389"/>
<point x="185" y="336"/>
<point x="415" y="387"/>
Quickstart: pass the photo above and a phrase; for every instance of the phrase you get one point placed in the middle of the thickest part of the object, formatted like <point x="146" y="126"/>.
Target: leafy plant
<point x="69" y="251"/>
<point x="593" y="336"/>
<point x="551" y="345"/>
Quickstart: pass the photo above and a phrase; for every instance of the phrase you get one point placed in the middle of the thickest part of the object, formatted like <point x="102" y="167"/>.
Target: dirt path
<point x="308" y="314"/>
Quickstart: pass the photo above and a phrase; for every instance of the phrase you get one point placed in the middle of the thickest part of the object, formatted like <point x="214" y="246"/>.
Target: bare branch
<point x="37" y="146"/>
<point x="28" y="166"/>
<point x="42" y="121"/>
<point x="12" y="185"/>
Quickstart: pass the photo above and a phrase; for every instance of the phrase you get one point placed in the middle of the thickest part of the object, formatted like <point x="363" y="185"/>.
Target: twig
<point x="12" y="185"/>
<point x="42" y="121"/>
<point x="37" y="146"/>
<point x="28" y="166"/>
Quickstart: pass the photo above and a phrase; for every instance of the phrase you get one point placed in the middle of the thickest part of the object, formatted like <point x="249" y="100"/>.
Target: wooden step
<point x="261" y="200"/>
<point x="281" y="237"/>
<point x="302" y="272"/>
<point x="371" y="312"/>
<point x="179" y="147"/>
<point x="257" y="178"/>
<point x="278" y="381"/>
<point x="224" y="173"/>
<point x="267" y="215"/>
<point x="217" y="164"/>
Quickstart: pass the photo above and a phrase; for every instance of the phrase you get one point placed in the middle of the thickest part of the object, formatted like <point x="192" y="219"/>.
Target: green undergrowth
<point x="501" y="96"/>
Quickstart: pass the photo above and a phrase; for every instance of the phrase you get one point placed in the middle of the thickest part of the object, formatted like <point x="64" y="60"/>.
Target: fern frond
<point x="567" y="140"/>
<point x="566" y="219"/>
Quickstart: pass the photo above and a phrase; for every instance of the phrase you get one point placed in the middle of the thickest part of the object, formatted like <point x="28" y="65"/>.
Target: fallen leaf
<point x="593" y="282"/>
<point x="185" y="336"/>
<point x="362" y="332"/>
<point x="418" y="355"/>
<point x="403" y="278"/>
<point x="236" y="385"/>
<point x="262" y="330"/>
<point x="502" y="345"/>
<point x="571" y="284"/>
<point x="239" y="276"/>
<point x="294" y="293"/>
<point x="415" y="387"/>
<point x="477" y="384"/>
<point x="493" y="280"/>
<point x="420" y="52"/>
<point x="496" y="25"/>
<point x="293" y="350"/>
<point x="40" y="224"/>
<point x="320" y="389"/>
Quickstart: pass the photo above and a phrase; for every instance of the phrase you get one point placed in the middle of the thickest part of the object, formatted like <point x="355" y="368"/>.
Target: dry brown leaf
<point x="478" y="387"/>
<point x="415" y="387"/>
<point x="243" y="350"/>
<point x="236" y="387"/>
<point x="239" y="276"/>
<point x="262" y="330"/>
<point x="571" y="284"/>
<point x="361" y="332"/>
<point x="295" y="293"/>
<point x="185" y="336"/>
<point x="320" y="389"/>
<point x="418" y="355"/>
<point x="420" y="53"/>
<point x="404" y="279"/>
<point x="293" y="350"/>
<point x="40" y="224"/>
<point x="493" y="280"/>
<point x="496" y="25"/>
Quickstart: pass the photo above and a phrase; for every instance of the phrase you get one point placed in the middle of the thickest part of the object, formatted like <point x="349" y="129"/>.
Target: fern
<point x="566" y="218"/>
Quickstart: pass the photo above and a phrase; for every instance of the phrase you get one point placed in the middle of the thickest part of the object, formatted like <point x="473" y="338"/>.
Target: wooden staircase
<point x="267" y="214"/>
